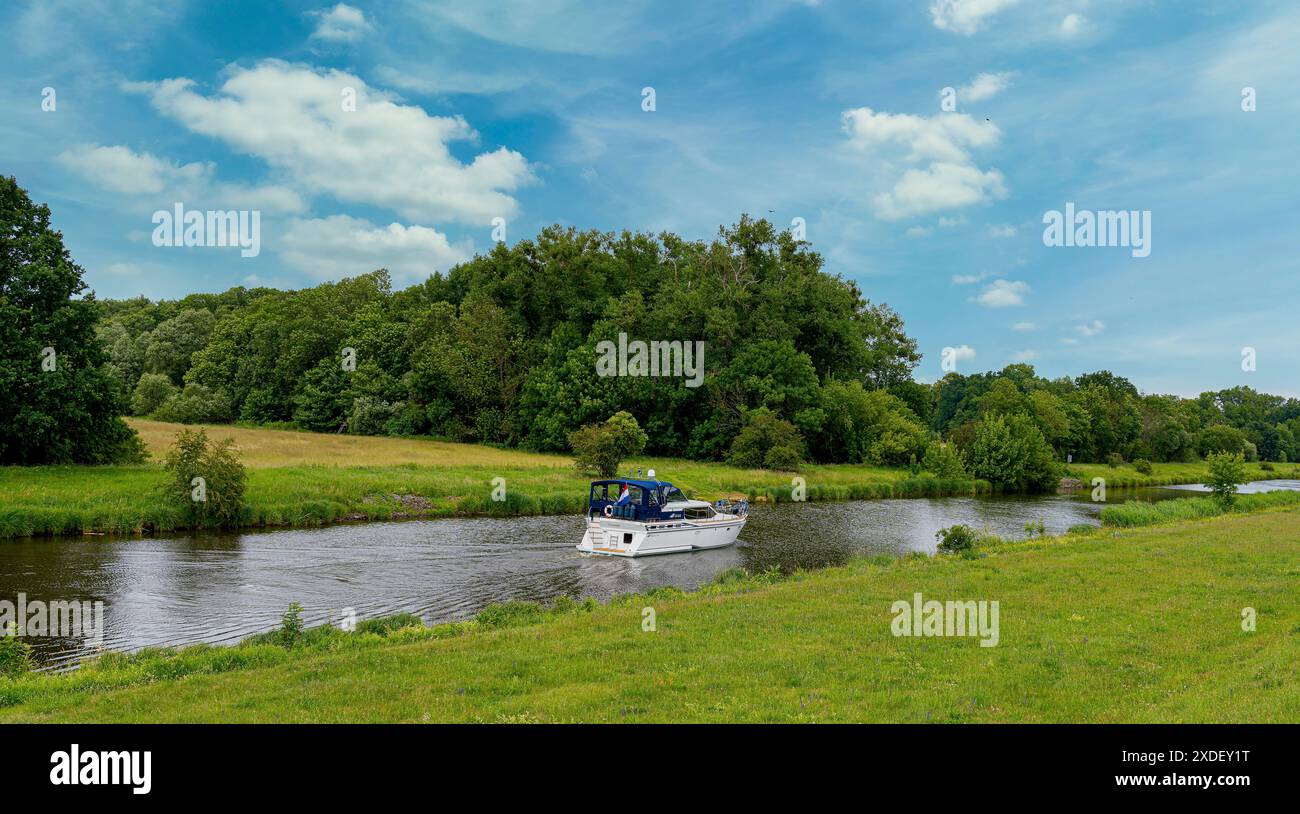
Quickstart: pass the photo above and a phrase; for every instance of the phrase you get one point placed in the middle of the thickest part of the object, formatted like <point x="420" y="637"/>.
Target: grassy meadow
<point x="1138" y="625"/>
<point x="303" y="479"/>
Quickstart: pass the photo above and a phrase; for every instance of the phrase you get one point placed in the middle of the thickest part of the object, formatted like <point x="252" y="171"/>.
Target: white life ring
<point x="609" y="510"/>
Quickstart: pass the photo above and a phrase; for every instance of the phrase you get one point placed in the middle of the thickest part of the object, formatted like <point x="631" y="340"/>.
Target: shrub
<point x="151" y="392"/>
<point x="943" y="460"/>
<point x="1010" y="451"/>
<point x="785" y="458"/>
<point x="219" y="498"/>
<point x="956" y="539"/>
<point x="1265" y="466"/>
<point x="1227" y="470"/>
<point x="15" y="654"/>
<point x="196" y="404"/>
<point x="291" y="625"/>
<point x="766" y="441"/>
<point x="1220" y="438"/>
<point x="600" y="448"/>
<point x="1143" y="466"/>
<point x="371" y="416"/>
<point x="1114" y="460"/>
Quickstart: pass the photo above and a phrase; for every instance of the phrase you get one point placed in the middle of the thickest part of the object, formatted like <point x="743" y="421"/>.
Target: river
<point x="220" y="588"/>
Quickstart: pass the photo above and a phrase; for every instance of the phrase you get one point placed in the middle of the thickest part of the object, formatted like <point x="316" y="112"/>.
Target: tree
<point x="1221" y="438"/>
<point x="171" y="345"/>
<point x="58" y="401"/>
<point x="151" y="392"/>
<point x="767" y="442"/>
<point x="1227" y="471"/>
<point x="600" y="448"/>
<point x="943" y="460"/>
<point x="1010" y="451"/>
<point x="207" y="480"/>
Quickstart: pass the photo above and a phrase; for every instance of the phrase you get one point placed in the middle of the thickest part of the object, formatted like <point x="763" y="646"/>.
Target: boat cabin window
<point x="672" y="493"/>
<point x="699" y="513"/>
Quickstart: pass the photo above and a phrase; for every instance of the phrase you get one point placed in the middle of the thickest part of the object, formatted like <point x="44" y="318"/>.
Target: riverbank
<point x="298" y="479"/>
<point x="1109" y="626"/>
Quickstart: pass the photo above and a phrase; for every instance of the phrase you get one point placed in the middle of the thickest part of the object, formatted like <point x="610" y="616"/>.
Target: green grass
<point x="1138" y="513"/>
<point x="1111" y="626"/>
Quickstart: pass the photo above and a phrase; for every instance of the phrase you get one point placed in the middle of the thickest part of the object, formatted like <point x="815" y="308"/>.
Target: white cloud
<point x="1024" y="355"/>
<point x="950" y="179"/>
<point x="162" y="181"/>
<point x="119" y="169"/>
<point x="1092" y="328"/>
<point x="963" y="353"/>
<point x="984" y="86"/>
<point x="965" y="16"/>
<point x="969" y="279"/>
<point x="343" y="23"/>
<point x="1002" y="231"/>
<point x="948" y="223"/>
<point x="384" y="153"/>
<point x="919" y="231"/>
<point x="1024" y="327"/>
<point x="1072" y="24"/>
<point x="123" y="269"/>
<point x="343" y="246"/>
<point x="1003" y="294"/>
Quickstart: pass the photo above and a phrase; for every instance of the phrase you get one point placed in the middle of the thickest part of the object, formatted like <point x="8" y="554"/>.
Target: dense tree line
<point x="506" y="348"/>
<point x="503" y="349"/>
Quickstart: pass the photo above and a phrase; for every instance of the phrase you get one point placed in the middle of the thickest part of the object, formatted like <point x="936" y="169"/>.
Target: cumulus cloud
<point x="968" y="279"/>
<point x="343" y="23"/>
<point x="942" y="143"/>
<point x="163" y="181"/>
<point x="962" y="353"/>
<point x="984" y="86"/>
<point x="965" y="16"/>
<point x="343" y="246"/>
<point x="1003" y="294"/>
<point x="1073" y="24"/>
<point x="383" y="153"/>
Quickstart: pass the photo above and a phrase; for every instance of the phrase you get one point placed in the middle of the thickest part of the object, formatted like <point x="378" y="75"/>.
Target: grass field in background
<point x="302" y="479"/>
<point x="1111" y="626"/>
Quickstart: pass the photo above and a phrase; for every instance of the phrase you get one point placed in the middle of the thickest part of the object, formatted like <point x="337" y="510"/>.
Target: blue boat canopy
<point x="646" y="499"/>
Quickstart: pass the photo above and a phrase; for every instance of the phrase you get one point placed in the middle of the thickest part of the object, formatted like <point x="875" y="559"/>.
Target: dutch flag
<point x="623" y="497"/>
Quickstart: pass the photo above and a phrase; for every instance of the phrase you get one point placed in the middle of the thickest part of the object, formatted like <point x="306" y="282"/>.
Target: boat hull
<point x="613" y="537"/>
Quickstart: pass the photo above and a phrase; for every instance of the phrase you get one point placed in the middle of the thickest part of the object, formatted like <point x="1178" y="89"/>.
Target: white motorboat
<point x="633" y="517"/>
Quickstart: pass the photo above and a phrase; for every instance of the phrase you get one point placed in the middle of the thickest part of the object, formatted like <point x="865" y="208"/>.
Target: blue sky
<point x="828" y="111"/>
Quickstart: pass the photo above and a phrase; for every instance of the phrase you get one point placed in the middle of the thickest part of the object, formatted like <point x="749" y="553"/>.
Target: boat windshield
<point x="672" y="493"/>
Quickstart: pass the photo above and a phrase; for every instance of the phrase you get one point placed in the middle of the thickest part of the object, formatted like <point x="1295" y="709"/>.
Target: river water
<point x="220" y="588"/>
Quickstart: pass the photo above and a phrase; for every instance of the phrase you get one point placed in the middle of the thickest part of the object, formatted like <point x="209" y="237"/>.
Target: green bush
<point x="218" y="499"/>
<point x="291" y="626"/>
<point x="1143" y="466"/>
<point x="956" y="539"/>
<point x="600" y="448"/>
<point x="371" y="416"/>
<point x="766" y="441"/>
<point x="1227" y="471"/>
<point x="196" y="404"/>
<point x="1265" y="466"/>
<point x="943" y="460"/>
<point x="15" y="654"/>
<point x="151" y="392"/>
<point x="1114" y="460"/>
<point x="1010" y="451"/>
